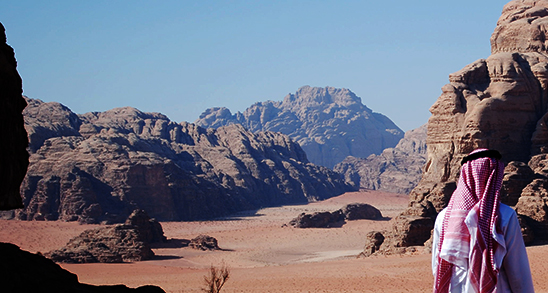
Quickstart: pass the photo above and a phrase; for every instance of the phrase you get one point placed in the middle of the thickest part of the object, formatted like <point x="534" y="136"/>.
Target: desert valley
<point x="263" y="254"/>
<point x="68" y="181"/>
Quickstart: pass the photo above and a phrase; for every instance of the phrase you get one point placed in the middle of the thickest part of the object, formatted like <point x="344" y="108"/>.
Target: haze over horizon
<point x="182" y="57"/>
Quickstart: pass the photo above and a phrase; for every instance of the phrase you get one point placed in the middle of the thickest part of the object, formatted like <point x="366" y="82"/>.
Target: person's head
<point x="482" y="171"/>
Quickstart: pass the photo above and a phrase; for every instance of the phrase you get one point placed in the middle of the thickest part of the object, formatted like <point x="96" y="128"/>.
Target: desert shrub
<point x="216" y="278"/>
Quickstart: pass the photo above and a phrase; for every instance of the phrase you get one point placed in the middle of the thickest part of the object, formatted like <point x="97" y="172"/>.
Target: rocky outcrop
<point x="353" y="211"/>
<point x="204" y="242"/>
<point x="501" y="103"/>
<point x="360" y="211"/>
<point x="396" y="170"/>
<point x="14" y="159"/>
<point x="113" y="244"/>
<point x="23" y="271"/>
<point x="328" y="123"/>
<point x="318" y="220"/>
<point x="98" y="167"/>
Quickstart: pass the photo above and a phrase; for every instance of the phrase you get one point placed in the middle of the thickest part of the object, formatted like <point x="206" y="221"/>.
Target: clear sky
<point x="182" y="57"/>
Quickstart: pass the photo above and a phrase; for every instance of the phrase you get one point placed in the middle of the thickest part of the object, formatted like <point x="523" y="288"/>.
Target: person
<point x="477" y="242"/>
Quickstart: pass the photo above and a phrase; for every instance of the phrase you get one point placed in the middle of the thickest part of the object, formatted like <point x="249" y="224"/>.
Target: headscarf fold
<point x="467" y="238"/>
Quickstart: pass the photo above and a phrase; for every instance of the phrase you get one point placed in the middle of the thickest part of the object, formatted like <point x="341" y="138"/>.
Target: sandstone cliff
<point x="14" y="159"/>
<point x="101" y="166"/>
<point x="397" y="169"/>
<point x="501" y="103"/>
<point x="328" y="123"/>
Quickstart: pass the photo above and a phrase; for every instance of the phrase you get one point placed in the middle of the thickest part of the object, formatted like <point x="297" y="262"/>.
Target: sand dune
<point x="263" y="254"/>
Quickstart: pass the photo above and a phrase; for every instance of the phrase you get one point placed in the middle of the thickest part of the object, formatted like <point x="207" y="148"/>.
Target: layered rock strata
<point x="328" y="123"/>
<point x="396" y="170"/>
<point x="500" y="103"/>
<point x="14" y="159"/>
<point x="98" y="167"/>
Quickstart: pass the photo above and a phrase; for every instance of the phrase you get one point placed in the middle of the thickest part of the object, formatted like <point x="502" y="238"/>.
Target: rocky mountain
<point x="501" y="103"/>
<point x="328" y="123"/>
<point x="101" y="166"/>
<point x="397" y="169"/>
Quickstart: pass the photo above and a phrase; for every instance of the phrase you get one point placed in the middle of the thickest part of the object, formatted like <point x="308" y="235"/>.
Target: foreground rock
<point x="120" y="243"/>
<point x="204" y="242"/>
<point x="23" y="271"/>
<point x="13" y="149"/>
<point x="328" y="123"/>
<point x="396" y="170"/>
<point x="98" y="167"/>
<point x="499" y="103"/>
<point x="354" y="211"/>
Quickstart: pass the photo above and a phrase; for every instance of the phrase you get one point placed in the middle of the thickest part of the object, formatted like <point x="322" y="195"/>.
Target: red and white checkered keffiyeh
<point x="476" y="199"/>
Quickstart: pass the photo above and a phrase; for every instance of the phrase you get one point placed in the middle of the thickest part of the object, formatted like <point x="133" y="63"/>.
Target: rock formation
<point x="360" y="211"/>
<point x="126" y="242"/>
<point x="98" y="167"/>
<point x="396" y="170"/>
<point x="204" y="242"/>
<point x="328" y="123"/>
<point x="353" y="211"/>
<point x="501" y="103"/>
<point x="14" y="159"/>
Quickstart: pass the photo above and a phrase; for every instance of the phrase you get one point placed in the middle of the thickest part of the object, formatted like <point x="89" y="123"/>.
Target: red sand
<point x="263" y="254"/>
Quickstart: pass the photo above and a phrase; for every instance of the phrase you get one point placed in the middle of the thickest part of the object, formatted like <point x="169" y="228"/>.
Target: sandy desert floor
<point x="263" y="254"/>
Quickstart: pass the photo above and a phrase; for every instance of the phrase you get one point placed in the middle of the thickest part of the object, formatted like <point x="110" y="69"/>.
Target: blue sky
<point x="182" y="57"/>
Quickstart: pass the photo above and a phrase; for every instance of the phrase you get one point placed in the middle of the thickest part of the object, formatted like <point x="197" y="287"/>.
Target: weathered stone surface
<point x="498" y="103"/>
<point x="204" y="242"/>
<point x="361" y="211"/>
<point x="14" y="159"/>
<point x="373" y="242"/>
<point x="98" y="167"/>
<point x="328" y="123"/>
<point x="318" y="220"/>
<point x="114" y="244"/>
<point x="23" y="271"/>
<point x="150" y="230"/>
<point x="396" y="170"/>
<point x="353" y="211"/>
<point x="120" y="243"/>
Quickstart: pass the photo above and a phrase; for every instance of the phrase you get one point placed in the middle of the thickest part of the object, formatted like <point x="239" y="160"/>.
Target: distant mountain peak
<point x="329" y="123"/>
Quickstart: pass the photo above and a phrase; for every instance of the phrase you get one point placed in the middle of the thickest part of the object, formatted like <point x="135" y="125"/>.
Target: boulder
<point x="113" y="244"/>
<point x="361" y="211"/>
<point x="204" y="242"/>
<point x="150" y="230"/>
<point x="373" y="242"/>
<point x="318" y="220"/>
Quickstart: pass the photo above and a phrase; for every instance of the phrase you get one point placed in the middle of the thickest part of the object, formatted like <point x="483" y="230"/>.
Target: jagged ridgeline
<point x="99" y="167"/>
<point x="330" y="124"/>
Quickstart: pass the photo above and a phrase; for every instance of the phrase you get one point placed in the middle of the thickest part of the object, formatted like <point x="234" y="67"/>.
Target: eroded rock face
<point x="328" y="123"/>
<point x="127" y="242"/>
<point x="396" y="170"/>
<point x="14" y="159"/>
<point x="99" y="167"/>
<point x="500" y="103"/>
<point x="204" y="242"/>
<point x="318" y="220"/>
